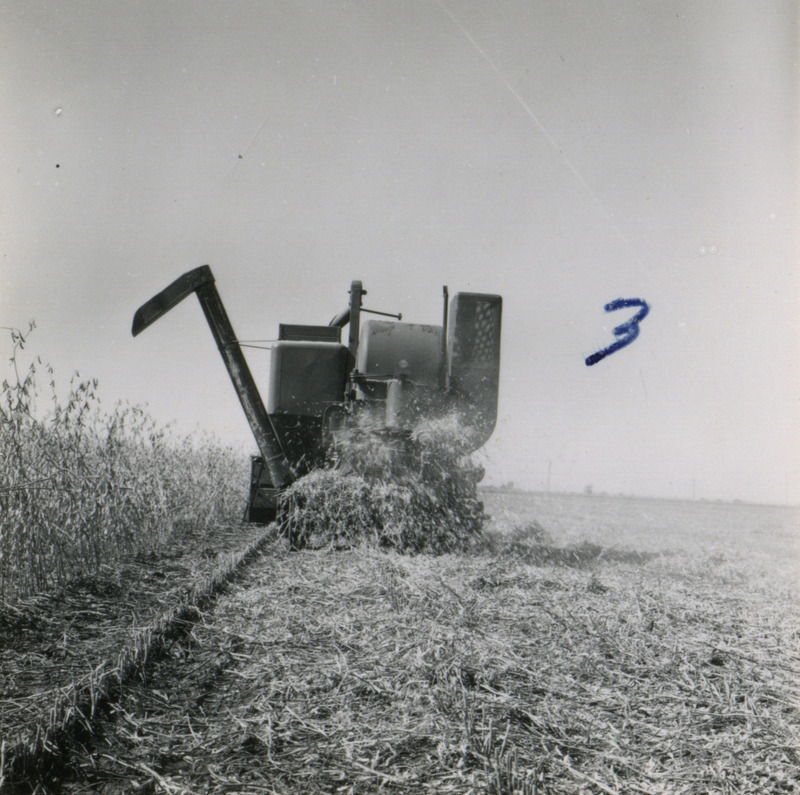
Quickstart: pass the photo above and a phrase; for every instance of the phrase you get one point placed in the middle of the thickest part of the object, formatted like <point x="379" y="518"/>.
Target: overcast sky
<point x="562" y="154"/>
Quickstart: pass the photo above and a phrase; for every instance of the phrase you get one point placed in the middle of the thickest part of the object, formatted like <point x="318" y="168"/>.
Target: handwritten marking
<point x="627" y="331"/>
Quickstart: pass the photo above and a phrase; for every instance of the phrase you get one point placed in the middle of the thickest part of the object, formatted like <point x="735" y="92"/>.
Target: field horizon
<point x="504" y="489"/>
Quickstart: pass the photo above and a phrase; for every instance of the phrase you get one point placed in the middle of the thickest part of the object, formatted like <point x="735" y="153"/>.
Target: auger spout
<point x="201" y="281"/>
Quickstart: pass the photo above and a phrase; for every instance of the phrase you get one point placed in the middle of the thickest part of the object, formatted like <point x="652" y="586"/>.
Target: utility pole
<point x="549" y="471"/>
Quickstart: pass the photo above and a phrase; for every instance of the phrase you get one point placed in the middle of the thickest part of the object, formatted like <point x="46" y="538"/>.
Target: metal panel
<point x="306" y="377"/>
<point x="289" y="331"/>
<point x="390" y="349"/>
<point x="474" y="360"/>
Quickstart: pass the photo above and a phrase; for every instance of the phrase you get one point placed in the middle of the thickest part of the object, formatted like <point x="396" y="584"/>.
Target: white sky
<point x="562" y="154"/>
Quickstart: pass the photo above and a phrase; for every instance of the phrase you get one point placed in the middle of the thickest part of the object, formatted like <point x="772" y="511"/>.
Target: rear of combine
<point x="370" y="433"/>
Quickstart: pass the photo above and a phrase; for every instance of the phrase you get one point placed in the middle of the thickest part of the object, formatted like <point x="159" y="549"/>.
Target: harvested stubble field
<point x="595" y="645"/>
<point x="65" y="650"/>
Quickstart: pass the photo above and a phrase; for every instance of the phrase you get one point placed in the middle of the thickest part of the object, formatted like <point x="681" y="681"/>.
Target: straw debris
<point x="66" y="653"/>
<point x="360" y="671"/>
<point x="413" y="492"/>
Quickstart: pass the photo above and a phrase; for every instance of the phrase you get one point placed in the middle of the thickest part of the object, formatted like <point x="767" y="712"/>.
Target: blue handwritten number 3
<point x="627" y="331"/>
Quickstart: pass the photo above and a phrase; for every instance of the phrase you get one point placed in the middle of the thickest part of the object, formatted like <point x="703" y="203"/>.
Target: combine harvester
<point x="372" y="436"/>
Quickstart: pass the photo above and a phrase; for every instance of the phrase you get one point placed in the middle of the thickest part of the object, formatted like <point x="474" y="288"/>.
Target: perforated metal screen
<point x="474" y="354"/>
